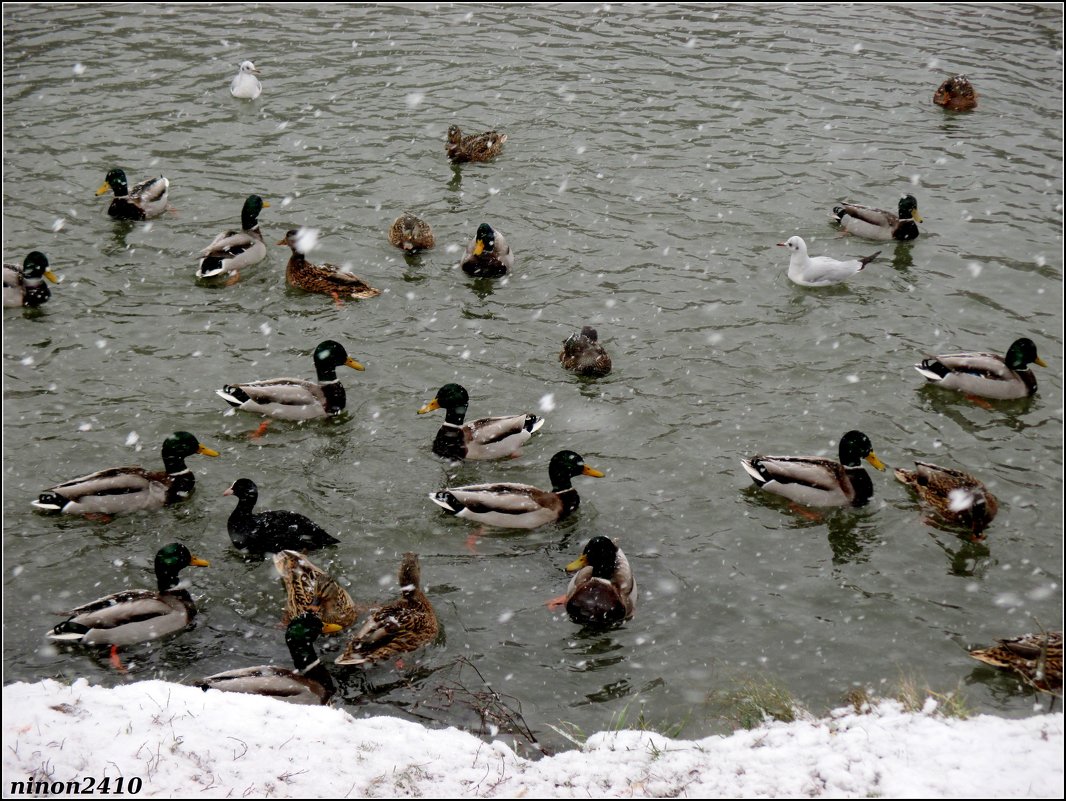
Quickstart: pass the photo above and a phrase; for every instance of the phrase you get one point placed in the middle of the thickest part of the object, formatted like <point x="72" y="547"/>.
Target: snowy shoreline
<point x="181" y="742"/>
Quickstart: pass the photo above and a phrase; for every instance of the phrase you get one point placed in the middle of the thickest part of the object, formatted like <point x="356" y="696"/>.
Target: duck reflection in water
<point x="483" y="287"/>
<point x="850" y="537"/>
<point x="901" y="259"/>
<point x="970" y="560"/>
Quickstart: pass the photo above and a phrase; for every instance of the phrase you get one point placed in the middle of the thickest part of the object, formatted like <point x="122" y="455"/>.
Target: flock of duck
<point x="602" y="590"/>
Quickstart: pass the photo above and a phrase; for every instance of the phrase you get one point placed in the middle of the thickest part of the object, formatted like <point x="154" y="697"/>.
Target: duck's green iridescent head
<point x="171" y="560"/>
<point x="908" y="208"/>
<point x="332" y="354"/>
<point x="35" y="265"/>
<point x="182" y="444"/>
<point x="250" y="212"/>
<point x="116" y="182"/>
<point x="855" y="446"/>
<point x="177" y="555"/>
<point x="567" y="464"/>
<point x="599" y="552"/>
<point x="486" y="239"/>
<point x="450" y="396"/>
<point x="307" y="627"/>
<point x="1021" y="354"/>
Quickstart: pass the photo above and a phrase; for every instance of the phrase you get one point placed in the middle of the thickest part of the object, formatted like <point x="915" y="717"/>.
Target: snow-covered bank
<point x="180" y="742"/>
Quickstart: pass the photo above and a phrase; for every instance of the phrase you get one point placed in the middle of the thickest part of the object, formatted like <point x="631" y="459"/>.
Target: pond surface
<point x="655" y="157"/>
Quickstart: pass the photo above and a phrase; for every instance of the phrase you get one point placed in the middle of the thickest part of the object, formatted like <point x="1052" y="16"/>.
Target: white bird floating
<point x="821" y="270"/>
<point x="245" y="84"/>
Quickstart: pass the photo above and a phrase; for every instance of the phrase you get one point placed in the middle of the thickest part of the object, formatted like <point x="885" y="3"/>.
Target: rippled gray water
<point x="655" y="157"/>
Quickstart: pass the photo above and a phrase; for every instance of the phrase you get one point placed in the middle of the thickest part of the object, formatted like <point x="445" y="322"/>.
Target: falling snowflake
<point x="306" y="239"/>
<point x="959" y="500"/>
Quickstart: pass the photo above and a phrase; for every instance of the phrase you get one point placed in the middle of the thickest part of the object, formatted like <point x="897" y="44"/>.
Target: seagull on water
<point x="245" y="84"/>
<point x="821" y="270"/>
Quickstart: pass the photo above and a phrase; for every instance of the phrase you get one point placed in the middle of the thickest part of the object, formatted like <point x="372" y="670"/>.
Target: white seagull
<point x="821" y="270"/>
<point x="245" y="84"/>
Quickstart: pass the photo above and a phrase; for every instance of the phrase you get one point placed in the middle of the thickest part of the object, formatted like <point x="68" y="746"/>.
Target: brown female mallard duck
<point x="297" y="398"/>
<point x="959" y="498"/>
<point x="325" y="278"/>
<point x="310" y="683"/>
<point x="583" y="354"/>
<point x="476" y="147"/>
<point x="986" y="374"/>
<point x="24" y="285"/>
<point x="309" y="588"/>
<point x="878" y="224"/>
<point x="1037" y="658"/>
<point x="956" y="94"/>
<point x="486" y="438"/>
<point x="602" y="590"/>
<point x="488" y="255"/>
<point x="510" y="505"/>
<point x="411" y="233"/>
<point x="232" y="250"/>
<point x="135" y="616"/>
<point x="815" y="480"/>
<point x="129" y="489"/>
<point x="402" y="625"/>
<point x="146" y="200"/>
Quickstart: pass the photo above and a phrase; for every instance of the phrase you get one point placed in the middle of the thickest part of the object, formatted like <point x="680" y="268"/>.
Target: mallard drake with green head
<point x="957" y="497"/>
<point x="232" y="250"/>
<point x="879" y="224"/>
<point x="488" y="255"/>
<point x="602" y="590"/>
<point x="1036" y="658"/>
<point x="135" y="616"/>
<point x="986" y="374"/>
<point x="400" y="626"/>
<point x="475" y="147"/>
<point x="273" y="531"/>
<point x="24" y="285"/>
<point x="815" y="480"/>
<point x="411" y="233"/>
<point x="146" y="200"/>
<point x="956" y="94"/>
<point x="309" y="683"/>
<point x="583" y="354"/>
<point x="510" y="505"/>
<point x="485" y="438"/>
<point x="309" y="588"/>
<point x="297" y="398"/>
<point x="129" y="489"/>
<point x="327" y="279"/>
